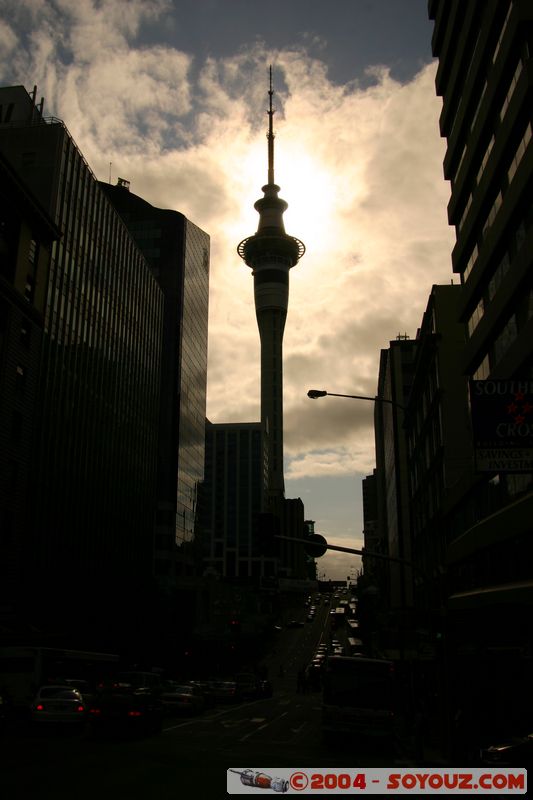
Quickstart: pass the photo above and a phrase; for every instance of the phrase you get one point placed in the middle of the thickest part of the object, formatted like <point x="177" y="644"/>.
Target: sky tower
<point x="271" y="253"/>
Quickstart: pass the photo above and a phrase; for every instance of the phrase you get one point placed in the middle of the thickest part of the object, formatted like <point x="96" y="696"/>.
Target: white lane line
<point x="247" y="735"/>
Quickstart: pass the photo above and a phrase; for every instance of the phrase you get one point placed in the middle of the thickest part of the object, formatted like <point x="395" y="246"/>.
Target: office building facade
<point x="233" y="496"/>
<point x="178" y="254"/>
<point x="485" y="78"/>
<point x="394" y="384"/>
<point x="439" y="442"/>
<point x="26" y="236"/>
<point x="90" y="541"/>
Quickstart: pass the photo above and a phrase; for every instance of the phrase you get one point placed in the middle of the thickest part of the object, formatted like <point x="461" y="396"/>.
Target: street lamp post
<point x="403" y="563"/>
<point x="314" y="394"/>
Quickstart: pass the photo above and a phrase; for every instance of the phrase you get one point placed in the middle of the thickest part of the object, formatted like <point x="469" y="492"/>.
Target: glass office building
<point x="90" y="546"/>
<point x="178" y="253"/>
<point x="233" y="494"/>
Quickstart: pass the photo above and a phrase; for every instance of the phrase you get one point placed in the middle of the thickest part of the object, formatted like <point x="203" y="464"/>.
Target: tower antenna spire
<point x="271" y="253"/>
<point x="270" y="134"/>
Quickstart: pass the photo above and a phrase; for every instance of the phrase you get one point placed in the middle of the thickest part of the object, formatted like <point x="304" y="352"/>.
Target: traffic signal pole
<point x="353" y="550"/>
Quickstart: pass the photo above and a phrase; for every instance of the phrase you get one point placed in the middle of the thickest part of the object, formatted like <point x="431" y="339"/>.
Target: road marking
<point x="261" y="727"/>
<point x="297" y="730"/>
<point x="180" y="725"/>
<point x="247" y="736"/>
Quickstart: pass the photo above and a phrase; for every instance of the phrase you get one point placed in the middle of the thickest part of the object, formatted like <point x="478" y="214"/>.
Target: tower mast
<point x="271" y="253"/>
<point x="270" y="134"/>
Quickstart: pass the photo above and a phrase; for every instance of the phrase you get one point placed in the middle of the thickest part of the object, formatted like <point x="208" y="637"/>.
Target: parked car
<point x="58" y="704"/>
<point x="247" y="686"/>
<point x="207" y="689"/>
<point x="295" y="623"/>
<point x="512" y="751"/>
<point x="86" y="690"/>
<point x="136" y="680"/>
<point x="126" y="710"/>
<point x="182" y="698"/>
<point x="225" y="691"/>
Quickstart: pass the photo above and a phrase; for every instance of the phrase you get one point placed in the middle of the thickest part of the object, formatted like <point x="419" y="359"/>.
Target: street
<point x="191" y="753"/>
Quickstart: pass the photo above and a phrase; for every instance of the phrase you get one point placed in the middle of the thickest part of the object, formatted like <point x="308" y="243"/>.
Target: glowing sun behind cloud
<point x="310" y="192"/>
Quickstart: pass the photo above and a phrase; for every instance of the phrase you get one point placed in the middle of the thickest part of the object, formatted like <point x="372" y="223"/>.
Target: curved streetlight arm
<point x="314" y="394"/>
<point x="354" y="551"/>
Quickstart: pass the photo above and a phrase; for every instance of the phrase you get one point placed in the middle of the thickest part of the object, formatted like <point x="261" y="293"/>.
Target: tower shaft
<point x="271" y="323"/>
<point x="271" y="253"/>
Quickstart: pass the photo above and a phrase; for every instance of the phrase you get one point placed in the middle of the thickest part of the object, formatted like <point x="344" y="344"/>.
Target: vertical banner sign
<point x="502" y="424"/>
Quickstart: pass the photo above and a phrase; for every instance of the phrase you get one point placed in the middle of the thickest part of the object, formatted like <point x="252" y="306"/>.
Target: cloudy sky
<point x="173" y="95"/>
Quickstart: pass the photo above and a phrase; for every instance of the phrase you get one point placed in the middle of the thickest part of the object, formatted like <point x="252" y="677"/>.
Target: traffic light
<point x="316" y="545"/>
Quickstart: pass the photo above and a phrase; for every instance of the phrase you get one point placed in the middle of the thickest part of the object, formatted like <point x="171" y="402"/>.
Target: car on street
<point x="207" y="689"/>
<point x="85" y="688"/>
<point x="247" y="685"/>
<point x="126" y="710"/>
<point x="58" y="704"/>
<point x="295" y="623"/>
<point x="225" y="691"/>
<point x="511" y="751"/>
<point x="182" y="698"/>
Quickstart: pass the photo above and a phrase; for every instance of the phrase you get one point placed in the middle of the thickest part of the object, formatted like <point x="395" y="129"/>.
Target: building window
<point x="20" y="378"/>
<point x="504" y="27"/>
<point x="471" y="261"/>
<point x="32" y="253"/>
<point x="483" y="370"/>
<point x="510" y="93"/>
<point x="488" y="151"/>
<point x="492" y="213"/>
<point x="499" y="273"/>
<point x="29" y="288"/>
<point x="520" y="150"/>
<point x="476" y="316"/>
<point x="506" y="338"/>
<point x="25" y="334"/>
<point x="465" y="213"/>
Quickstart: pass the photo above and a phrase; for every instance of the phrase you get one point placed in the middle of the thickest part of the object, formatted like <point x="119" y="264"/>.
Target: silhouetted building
<point x="485" y="77"/>
<point x="178" y="253"/>
<point x="375" y="533"/>
<point x="293" y="559"/>
<point x="394" y="384"/>
<point x="90" y="542"/>
<point x="26" y="236"/>
<point x="439" y="440"/>
<point x="233" y="496"/>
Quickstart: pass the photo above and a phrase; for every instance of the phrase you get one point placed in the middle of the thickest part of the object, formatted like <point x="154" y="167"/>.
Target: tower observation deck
<point x="271" y="253"/>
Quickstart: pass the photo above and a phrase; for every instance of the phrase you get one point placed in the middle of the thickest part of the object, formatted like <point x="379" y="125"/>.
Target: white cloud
<point x="8" y="40"/>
